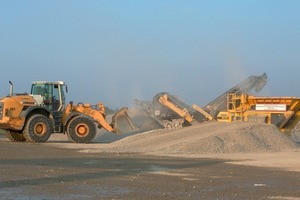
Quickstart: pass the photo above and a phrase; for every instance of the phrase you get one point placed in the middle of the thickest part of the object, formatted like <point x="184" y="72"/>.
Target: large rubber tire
<point x="81" y="129"/>
<point x="38" y="128"/>
<point x="15" y="136"/>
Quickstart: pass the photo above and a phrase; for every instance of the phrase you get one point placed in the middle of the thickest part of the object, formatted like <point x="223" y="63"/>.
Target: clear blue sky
<point x="117" y="51"/>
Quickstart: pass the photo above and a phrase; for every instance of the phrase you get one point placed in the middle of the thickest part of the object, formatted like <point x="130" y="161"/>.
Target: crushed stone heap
<point x="206" y="138"/>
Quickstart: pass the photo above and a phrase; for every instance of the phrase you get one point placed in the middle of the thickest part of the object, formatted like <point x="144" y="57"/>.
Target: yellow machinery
<point x="203" y="112"/>
<point x="169" y="111"/>
<point x="284" y="112"/>
<point x="182" y="112"/>
<point x="35" y="116"/>
<point x="253" y="82"/>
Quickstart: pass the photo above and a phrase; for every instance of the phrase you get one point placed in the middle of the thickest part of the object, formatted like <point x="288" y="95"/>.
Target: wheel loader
<point x="34" y="117"/>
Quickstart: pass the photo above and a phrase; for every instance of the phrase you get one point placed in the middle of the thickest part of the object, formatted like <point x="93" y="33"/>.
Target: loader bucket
<point x="122" y="123"/>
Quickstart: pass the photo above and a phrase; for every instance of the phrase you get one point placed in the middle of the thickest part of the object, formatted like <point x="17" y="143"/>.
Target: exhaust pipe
<point x="11" y="89"/>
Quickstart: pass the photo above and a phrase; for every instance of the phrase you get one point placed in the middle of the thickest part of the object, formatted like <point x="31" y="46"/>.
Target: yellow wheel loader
<point x="34" y="117"/>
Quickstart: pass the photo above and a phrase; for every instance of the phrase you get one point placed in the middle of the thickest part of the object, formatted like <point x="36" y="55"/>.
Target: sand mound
<point x="205" y="138"/>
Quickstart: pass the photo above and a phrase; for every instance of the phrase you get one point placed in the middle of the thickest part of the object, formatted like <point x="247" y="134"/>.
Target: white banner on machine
<point x="277" y="107"/>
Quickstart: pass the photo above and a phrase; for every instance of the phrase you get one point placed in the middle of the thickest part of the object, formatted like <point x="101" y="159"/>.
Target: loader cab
<point x="52" y="93"/>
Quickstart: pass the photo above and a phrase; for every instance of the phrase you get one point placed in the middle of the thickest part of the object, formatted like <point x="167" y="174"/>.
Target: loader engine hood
<point x="25" y="100"/>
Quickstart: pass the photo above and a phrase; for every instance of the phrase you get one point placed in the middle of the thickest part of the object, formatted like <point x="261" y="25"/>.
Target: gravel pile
<point x="205" y="138"/>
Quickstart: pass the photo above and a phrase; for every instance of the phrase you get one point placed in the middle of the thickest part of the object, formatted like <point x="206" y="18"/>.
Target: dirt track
<point x="159" y="164"/>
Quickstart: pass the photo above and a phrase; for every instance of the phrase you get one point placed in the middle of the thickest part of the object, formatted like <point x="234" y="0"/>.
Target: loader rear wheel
<point x="15" y="136"/>
<point x="38" y="128"/>
<point x="81" y="129"/>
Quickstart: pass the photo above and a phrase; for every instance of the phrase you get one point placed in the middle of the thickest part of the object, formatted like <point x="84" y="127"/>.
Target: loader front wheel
<point x="15" y="136"/>
<point x="38" y="128"/>
<point x="81" y="129"/>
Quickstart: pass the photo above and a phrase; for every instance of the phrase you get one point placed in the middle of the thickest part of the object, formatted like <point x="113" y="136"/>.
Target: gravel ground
<point x="38" y="171"/>
<point x="207" y="161"/>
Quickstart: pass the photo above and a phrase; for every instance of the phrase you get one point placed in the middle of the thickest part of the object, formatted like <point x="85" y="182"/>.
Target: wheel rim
<point x="82" y="130"/>
<point x="40" y="129"/>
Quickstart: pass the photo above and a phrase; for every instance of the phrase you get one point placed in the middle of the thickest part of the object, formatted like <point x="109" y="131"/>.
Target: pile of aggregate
<point x="205" y="138"/>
